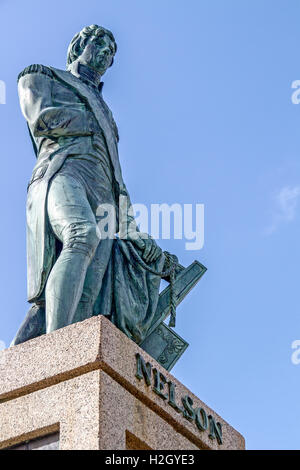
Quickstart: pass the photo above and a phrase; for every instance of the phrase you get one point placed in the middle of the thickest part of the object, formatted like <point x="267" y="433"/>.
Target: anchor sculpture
<point x="162" y="342"/>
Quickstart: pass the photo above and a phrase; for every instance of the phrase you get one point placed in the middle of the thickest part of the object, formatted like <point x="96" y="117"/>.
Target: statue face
<point x="98" y="53"/>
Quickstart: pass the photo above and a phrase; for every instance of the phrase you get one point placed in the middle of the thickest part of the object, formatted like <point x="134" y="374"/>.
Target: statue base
<point x="88" y="386"/>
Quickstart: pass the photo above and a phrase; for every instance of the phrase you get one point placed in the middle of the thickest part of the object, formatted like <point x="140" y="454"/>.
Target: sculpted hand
<point x="151" y="251"/>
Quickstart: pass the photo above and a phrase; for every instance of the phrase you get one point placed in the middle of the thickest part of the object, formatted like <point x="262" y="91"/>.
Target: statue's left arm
<point x="128" y="226"/>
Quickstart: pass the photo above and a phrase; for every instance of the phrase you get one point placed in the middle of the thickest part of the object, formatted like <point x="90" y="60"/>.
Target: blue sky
<point x="201" y="91"/>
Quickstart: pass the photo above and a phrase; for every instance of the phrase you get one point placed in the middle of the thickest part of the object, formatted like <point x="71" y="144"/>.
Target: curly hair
<point x="80" y="40"/>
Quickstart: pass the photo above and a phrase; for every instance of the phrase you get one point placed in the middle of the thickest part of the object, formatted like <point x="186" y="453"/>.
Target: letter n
<point x="215" y="430"/>
<point x="143" y="370"/>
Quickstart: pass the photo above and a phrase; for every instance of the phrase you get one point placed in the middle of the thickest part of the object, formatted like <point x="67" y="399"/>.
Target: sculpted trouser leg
<point x="93" y="280"/>
<point x="74" y="224"/>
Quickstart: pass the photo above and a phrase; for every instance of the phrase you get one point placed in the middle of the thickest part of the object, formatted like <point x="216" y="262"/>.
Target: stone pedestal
<point x="90" y="387"/>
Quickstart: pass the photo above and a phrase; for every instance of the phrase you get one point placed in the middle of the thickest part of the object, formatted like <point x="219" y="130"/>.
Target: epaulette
<point x="36" y="68"/>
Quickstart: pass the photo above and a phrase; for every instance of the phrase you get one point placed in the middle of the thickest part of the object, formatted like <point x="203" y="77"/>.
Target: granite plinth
<point x="82" y="382"/>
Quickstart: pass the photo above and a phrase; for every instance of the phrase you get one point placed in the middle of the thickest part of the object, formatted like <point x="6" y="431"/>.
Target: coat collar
<point x="86" y="75"/>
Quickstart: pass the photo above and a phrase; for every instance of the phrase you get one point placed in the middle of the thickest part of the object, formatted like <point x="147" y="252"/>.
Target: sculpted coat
<point x="64" y="115"/>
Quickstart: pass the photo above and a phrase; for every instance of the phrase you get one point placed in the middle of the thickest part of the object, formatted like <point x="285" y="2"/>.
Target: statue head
<point x="94" y="46"/>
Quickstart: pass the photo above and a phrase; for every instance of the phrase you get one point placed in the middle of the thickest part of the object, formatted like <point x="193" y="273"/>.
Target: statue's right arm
<point x="45" y="118"/>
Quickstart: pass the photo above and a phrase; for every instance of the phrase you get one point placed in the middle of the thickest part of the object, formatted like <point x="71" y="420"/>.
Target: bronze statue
<point x="76" y="267"/>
